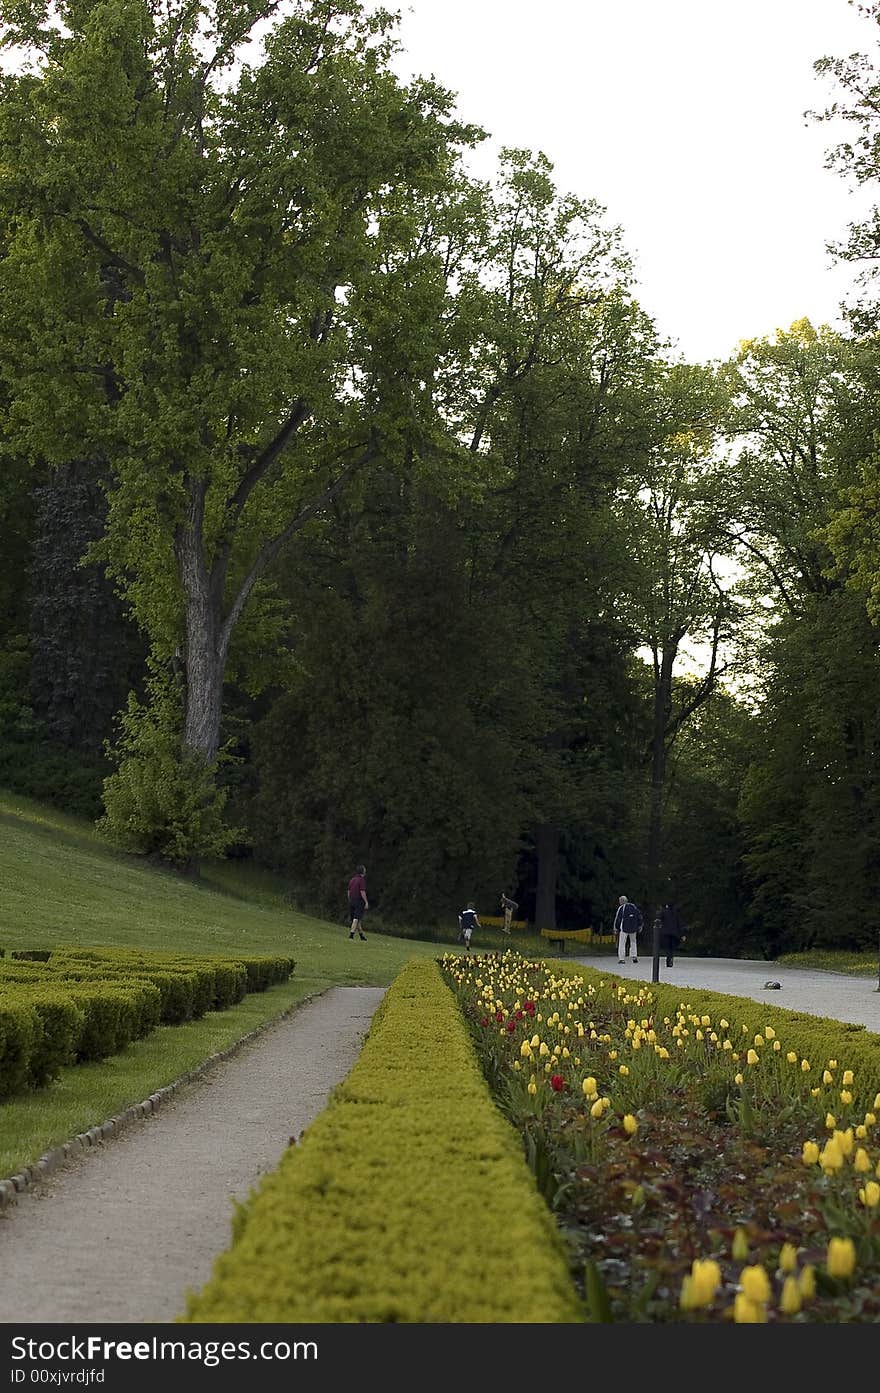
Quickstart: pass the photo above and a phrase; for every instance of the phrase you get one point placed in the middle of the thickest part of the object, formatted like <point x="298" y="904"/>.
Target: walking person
<point x="627" y="923"/>
<point x="509" y="907"/>
<point x="671" y="931"/>
<point x="358" y="902"/>
<point x="467" y="922"/>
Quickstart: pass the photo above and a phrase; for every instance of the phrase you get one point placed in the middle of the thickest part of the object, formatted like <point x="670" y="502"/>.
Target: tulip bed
<point x="707" y="1159"/>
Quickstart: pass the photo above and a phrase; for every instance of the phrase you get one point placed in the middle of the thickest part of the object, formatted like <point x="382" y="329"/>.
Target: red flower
<point x="484" y="1021"/>
<point x="519" y="1015"/>
<point x="557" y="1083"/>
<point x="529" y="1006"/>
<point x="499" y="1016"/>
<point x="511" y="1027"/>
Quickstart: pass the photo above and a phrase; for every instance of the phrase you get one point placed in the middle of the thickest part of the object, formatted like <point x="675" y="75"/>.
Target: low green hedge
<point x="407" y="1199"/>
<point x="112" y="996"/>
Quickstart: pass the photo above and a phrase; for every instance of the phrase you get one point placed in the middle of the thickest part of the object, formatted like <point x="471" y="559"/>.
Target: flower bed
<point x="704" y="1166"/>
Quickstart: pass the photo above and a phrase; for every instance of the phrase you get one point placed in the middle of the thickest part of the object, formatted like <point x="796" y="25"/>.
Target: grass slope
<point x="60" y="884"/>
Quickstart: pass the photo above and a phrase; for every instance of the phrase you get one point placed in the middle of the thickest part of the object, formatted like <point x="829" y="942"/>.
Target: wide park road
<point x="832" y="994"/>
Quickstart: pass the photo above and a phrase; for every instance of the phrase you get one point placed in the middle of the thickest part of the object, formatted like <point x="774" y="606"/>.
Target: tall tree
<point x="188" y="232"/>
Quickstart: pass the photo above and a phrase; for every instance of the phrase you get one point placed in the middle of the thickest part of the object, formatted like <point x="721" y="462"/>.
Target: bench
<point x="563" y="936"/>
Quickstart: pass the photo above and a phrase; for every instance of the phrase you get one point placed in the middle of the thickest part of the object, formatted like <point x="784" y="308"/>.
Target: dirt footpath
<point x="122" y="1232"/>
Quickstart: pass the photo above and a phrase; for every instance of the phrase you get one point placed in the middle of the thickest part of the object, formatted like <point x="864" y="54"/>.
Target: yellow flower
<point x="746" y="1312"/>
<point x="845" y="1097"/>
<point x="623" y="1070"/>
<point x="870" y="1196"/>
<point x="740" y="1247"/>
<point x="831" y="1158"/>
<point x="832" y="1064"/>
<point x="589" y="1086"/>
<point x="705" y="1020"/>
<point x="525" y="1049"/>
<point x="612" y="1054"/>
<point x="752" y="1057"/>
<point x="808" y="1283"/>
<point x="876" y="1103"/>
<point x="727" y="1045"/>
<point x="535" y="1041"/>
<point x="725" y="1025"/>
<point x="814" y="1092"/>
<point x="769" y="1032"/>
<point x="845" y="1140"/>
<point x="597" y="1109"/>
<point x="699" y="1288"/>
<point x="861" y="1132"/>
<point x="776" y="1047"/>
<point x="848" y="1078"/>
<point x="630" y="1126"/>
<point x="544" y="1049"/>
<point x="805" y="1066"/>
<point x="870" y="1119"/>
<point x="533" y="1088"/>
<point x="790" y="1302"/>
<point x="737" y="1078"/>
<point x="861" y="1160"/>
<point x="791" y="1057"/>
<point x="841" y="1257"/>
<point x="755" y="1283"/>
<point x="830" y="1120"/>
<point x="788" y="1258"/>
<point x="638" y="1195"/>
<point x="827" y="1078"/>
<point x="810" y="1153"/>
<point x="759" y="1040"/>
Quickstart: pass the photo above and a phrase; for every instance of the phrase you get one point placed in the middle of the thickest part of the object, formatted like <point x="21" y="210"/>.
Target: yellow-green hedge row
<point x="75" y="1004"/>
<point x="407" y="1200"/>
<point x="815" y="1038"/>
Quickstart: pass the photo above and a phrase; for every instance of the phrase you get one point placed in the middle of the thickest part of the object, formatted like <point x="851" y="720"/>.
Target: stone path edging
<point x="30" y="1176"/>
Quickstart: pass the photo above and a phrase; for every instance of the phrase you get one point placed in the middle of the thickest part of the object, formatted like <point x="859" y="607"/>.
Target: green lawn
<point x="855" y="964"/>
<point x="60" y="884"/>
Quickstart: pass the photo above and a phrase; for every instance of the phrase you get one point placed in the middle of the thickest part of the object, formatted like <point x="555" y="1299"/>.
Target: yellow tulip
<point x="832" y="1064"/>
<point x="861" y="1132"/>
<point x="791" y="1057"/>
<point x="790" y="1302"/>
<point x="543" y="1050"/>
<point x="525" y="1049"/>
<point x="876" y="1103"/>
<point x="630" y="1126"/>
<point x="533" y="1088"/>
<point x="752" y="1057"/>
<point x="699" y="1288"/>
<point x="535" y="1041"/>
<point x="740" y="1246"/>
<point x="827" y="1078"/>
<point x="597" y="1109"/>
<point x="830" y="1120"/>
<point x="705" y="1020"/>
<point x="769" y="1032"/>
<point x="870" y="1119"/>
<point x="848" y="1078"/>
<point x="759" y="1040"/>
<point x="805" y="1066"/>
<point x="831" y="1157"/>
<point x="725" y="1025"/>
<point x="590" y="1086"/>
<point x="737" y="1078"/>
<point x="755" y="1283"/>
<point x="845" y="1097"/>
<point x="810" y="1153"/>
<point x="788" y="1258"/>
<point x="840" y="1260"/>
<point x="845" y="1140"/>
<point x="861" y="1160"/>
<point x="746" y="1312"/>
<point x="870" y="1196"/>
<point x="808" y="1283"/>
<point x="612" y="1054"/>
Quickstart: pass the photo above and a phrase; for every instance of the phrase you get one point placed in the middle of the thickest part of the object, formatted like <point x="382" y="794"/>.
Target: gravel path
<point x="832" y="994"/>
<point x="122" y="1232"/>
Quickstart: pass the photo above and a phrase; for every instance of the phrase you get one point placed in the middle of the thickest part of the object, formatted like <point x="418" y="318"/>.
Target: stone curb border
<point x="30" y="1176"/>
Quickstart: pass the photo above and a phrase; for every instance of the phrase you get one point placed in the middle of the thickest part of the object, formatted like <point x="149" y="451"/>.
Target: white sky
<point x="685" y="119"/>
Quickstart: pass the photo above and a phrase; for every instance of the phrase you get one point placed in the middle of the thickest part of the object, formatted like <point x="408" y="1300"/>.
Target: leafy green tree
<point x="190" y="232"/>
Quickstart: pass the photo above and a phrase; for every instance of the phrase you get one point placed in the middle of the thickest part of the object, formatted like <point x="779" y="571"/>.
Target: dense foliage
<point x="352" y="510"/>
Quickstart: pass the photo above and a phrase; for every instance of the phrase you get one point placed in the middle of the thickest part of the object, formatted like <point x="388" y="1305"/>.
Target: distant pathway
<point x="832" y="994"/>
<point x="123" y="1231"/>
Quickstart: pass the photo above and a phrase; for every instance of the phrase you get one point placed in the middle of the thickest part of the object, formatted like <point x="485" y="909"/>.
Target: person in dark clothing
<point x="357" y="901"/>
<point x="671" y="931"/>
<point x="467" y="922"/>
<point x="627" y="923"/>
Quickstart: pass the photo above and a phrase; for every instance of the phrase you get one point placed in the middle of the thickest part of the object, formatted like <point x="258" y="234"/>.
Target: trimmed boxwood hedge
<point x="72" y="1004"/>
<point x="407" y="1200"/>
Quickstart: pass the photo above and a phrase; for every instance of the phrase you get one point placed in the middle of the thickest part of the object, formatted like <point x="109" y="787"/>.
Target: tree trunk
<point x="204" y="659"/>
<point x="547" y="850"/>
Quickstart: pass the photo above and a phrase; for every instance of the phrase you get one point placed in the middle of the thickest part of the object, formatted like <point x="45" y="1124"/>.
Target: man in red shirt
<point x="357" y="901"/>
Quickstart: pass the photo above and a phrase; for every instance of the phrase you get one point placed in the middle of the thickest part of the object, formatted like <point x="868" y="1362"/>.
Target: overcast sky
<point x="685" y="119"/>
